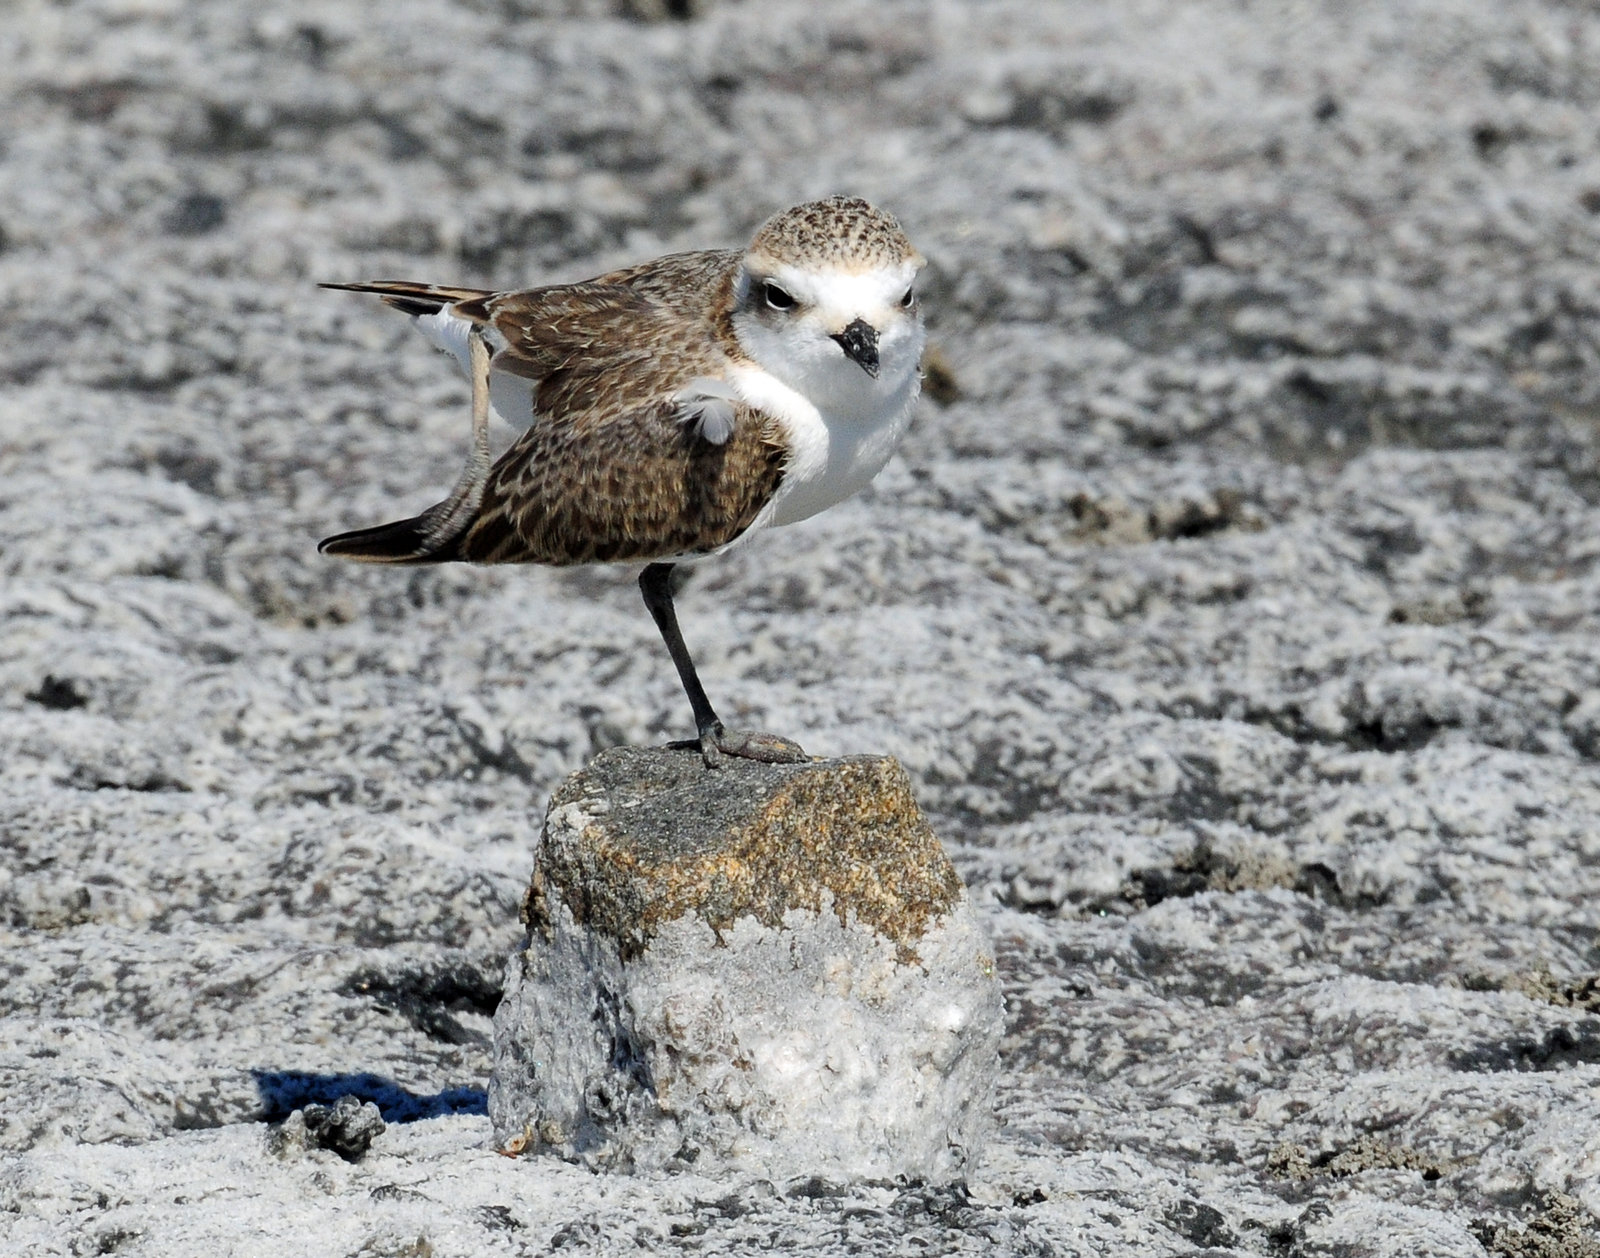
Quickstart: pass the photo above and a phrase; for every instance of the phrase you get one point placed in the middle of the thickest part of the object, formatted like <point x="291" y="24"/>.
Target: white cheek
<point x="803" y="354"/>
<point x="901" y="345"/>
<point x="789" y="351"/>
<point x="815" y="346"/>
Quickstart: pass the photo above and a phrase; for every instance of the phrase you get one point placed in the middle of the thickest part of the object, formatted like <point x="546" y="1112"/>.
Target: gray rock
<point x="347" y="1127"/>
<point x="772" y="968"/>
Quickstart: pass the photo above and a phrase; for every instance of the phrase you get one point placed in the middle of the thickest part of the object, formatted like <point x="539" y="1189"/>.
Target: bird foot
<point x="746" y="744"/>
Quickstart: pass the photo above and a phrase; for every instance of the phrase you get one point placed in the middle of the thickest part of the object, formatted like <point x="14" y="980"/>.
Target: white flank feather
<point x="511" y="397"/>
<point x="707" y="405"/>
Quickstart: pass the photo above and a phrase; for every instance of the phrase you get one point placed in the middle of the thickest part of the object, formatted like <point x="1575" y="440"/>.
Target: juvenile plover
<point x="670" y="410"/>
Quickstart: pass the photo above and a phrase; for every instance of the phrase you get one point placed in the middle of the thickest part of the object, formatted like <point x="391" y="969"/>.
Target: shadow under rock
<point x="284" y="1091"/>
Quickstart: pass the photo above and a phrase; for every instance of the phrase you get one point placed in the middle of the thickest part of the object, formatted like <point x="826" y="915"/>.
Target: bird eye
<point x="909" y="299"/>
<point x="776" y="297"/>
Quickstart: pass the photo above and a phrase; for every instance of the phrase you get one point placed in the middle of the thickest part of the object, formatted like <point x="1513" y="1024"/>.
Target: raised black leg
<point x="655" y="583"/>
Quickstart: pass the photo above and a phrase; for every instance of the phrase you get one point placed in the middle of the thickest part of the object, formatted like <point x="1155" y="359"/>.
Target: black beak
<point x="859" y="341"/>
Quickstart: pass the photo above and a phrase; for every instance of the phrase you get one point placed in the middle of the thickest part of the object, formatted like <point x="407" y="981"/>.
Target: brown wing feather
<point x="582" y="329"/>
<point x="621" y="482"/>
<point x="607" y="471"/>
<point x="412" y="298"/>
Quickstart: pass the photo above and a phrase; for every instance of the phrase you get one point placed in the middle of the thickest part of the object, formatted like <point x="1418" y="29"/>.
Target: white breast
<point x="832" y="455"/>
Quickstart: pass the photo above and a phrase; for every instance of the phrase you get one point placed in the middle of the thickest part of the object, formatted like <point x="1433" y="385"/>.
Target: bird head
<point x="826" y="301"/>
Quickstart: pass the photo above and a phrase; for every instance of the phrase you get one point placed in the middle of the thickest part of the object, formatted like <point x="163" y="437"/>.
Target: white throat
<point x="840" y="423"/>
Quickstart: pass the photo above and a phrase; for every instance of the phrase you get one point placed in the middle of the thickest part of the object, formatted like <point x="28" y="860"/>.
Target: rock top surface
<point x="644" y="835"/>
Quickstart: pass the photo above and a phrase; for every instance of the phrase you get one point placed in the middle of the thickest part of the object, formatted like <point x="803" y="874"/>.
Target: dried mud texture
<point x="1232" y="606"/>
<point x="641" y="837"/>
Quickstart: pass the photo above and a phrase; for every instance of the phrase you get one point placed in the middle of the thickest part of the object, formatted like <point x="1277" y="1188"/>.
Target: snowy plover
<point x="670" y="410"/>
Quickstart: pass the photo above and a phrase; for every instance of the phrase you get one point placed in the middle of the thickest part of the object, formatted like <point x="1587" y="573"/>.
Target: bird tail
<point x="418" y="540"/>
<point x="418" y="299"/>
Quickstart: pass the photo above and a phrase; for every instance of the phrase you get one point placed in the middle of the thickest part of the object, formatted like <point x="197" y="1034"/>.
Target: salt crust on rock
<point x="773" y="968"/>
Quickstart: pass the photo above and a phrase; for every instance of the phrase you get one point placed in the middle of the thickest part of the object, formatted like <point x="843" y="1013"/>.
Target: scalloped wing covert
<point x="609" y="470"/>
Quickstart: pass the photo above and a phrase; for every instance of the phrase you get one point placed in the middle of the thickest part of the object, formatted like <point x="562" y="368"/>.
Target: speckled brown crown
<point x="843" y="232"/>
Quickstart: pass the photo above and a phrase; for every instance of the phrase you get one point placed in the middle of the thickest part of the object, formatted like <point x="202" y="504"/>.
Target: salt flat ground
<point x="1233" y="606"/>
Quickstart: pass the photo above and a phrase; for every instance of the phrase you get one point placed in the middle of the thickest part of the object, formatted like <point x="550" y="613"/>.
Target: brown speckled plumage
<point x="608" y="471"/>
<point x="842" y="231"/>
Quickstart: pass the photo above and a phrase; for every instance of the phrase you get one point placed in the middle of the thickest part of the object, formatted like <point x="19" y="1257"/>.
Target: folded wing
<point x="615" y="466"/>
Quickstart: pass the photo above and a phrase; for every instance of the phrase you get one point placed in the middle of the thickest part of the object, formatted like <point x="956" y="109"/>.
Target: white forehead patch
<point x="854" y="291"/>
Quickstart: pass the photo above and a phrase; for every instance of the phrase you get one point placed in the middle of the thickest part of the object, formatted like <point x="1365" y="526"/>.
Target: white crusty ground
<point x="1237" y="623"/>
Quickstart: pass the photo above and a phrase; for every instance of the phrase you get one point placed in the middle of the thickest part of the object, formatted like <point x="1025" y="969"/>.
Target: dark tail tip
<point x="404" y="541"/>
<point x="411" y="303"/>
<point x="410" y="298"/>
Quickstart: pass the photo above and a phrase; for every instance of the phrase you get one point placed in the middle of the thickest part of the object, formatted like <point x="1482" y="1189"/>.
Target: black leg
<point x="655" y="583"/>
